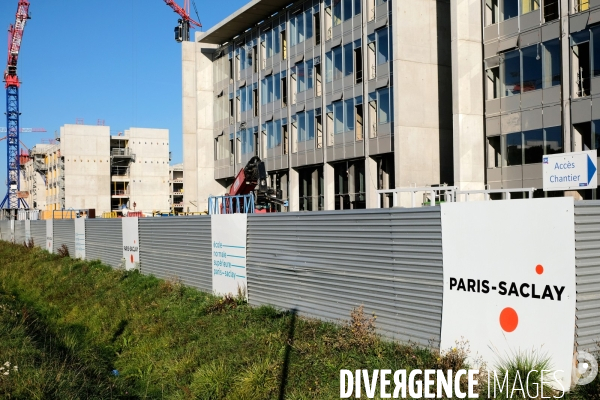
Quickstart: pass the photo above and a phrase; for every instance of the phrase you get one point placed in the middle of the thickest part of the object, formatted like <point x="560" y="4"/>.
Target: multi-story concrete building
<point x="339" y="98"/>
<point x="176" y="188"/>
<point x="344" y="97"/>
<point x="90" y="169"/>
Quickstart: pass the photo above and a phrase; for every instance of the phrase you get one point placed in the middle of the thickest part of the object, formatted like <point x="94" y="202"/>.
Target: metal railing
<point x="125" y="152"/>
<point x="506" y="193"/>
<point x="241" y="204"/>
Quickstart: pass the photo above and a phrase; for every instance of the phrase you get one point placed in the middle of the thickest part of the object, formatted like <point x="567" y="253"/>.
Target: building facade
<point x="338" y="98"/>
<point x="90" y="169"/>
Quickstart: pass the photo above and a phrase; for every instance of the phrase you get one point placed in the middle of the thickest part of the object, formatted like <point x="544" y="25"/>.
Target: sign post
<point x="570" y="171"/>
<point x="229" y="253"/>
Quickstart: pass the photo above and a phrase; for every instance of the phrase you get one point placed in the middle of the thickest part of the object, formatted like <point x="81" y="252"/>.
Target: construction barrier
<point x="427" y="273"/>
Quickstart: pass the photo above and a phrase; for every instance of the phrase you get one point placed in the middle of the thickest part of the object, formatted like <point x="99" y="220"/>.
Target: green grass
<point x="67" y="324"/>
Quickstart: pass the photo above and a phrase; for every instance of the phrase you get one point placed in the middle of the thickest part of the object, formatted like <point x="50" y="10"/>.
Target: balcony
<point x="122" y="153"/>
<point x="119" y="193"/>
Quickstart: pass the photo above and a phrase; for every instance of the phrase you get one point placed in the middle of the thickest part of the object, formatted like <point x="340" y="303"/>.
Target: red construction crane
<point x="15" y="36"/>
<point x="182" y="30"/>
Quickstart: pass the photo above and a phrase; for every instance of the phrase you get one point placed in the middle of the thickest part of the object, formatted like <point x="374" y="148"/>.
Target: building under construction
<point x="90" y="169"/>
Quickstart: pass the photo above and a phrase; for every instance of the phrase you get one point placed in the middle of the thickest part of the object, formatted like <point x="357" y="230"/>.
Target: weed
<point x="63" y="251"/>
<point x="28" y="244"/>
<point x="227" y="302"/>
<point x="359" y="332"/>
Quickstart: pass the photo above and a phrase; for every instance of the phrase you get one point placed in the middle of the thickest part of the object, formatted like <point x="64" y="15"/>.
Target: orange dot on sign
<point x="539" y="269"/>
<point x="509" y="319"/>
<point x="131" y="258"/>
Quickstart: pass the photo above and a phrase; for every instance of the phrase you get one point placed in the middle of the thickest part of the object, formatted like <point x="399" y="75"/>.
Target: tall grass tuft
<point x="520" y="374"/>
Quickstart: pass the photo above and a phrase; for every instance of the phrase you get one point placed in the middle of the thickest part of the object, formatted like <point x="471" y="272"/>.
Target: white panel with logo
<point x="27" y="230"/>
<point x="509" y="279"/>
<point x="131" y="242"/>
<point x="80" y="238"/>
<point x="50" y="235"/>
<point x="229" y="253"/>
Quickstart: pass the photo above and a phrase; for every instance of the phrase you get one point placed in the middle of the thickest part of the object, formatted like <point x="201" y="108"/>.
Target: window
<point x="382" y="46"/>
<point x="273" y="130"/>
<point x="514" y="149"/>
<point x="553" y="140"/>
<point x="551" y="50"/>
<point x="283" y="92"/>
<point x="510" y="9"/>
<point x="349" y="115"/>
<point x="337" y="12"/>
<point x="596" y="51"/>
<point x="305" y="124"/>
<point x="283" y="46"/>
<point x="384" y="106"/>
<point x="494" y="152"/>
<point x="491" y="12"/>
<point x="348" y="9"/>
<point x="317" y="27"/>
<point x="268" y="40"/>
<point x="493" y="83"/>
<point x="581" y="65"/>
<point x="533" y="146"/>
<point x="358" y="64"/>
<point x="348" y="59"/>
<point x="512" y="73"/>
<point x="338" y="117"/>
<point x="247" y="141"/>
<point x="528" y="6"/>
<point x="581" y="5"/>
<point x="532" y="68"/>
<point x="550" y="10"/>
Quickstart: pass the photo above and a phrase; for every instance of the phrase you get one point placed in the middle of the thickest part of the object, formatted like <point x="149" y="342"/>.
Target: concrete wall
<point x="422" y="92"/>
<point x="198" y="142"/>
<point x="86" y="152"/>
<point x="149" y="174"/>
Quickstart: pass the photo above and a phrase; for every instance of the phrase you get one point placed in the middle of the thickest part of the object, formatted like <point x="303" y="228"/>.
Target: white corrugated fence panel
<point x="104" y="240"/>
<point x="177" y="247"/>
<point x="325" y="263"/>
<point x="64" y="233"/>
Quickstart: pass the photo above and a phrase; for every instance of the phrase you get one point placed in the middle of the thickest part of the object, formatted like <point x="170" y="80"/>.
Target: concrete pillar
<point x="422" y="92"/>
<point x="294" y="190"/>
<point x="314" y="192"/>
<point x="467" y="95"/>
<point x="566" y="76"/>
<point x="198" y="125"/>
<point x="285" y="190"/>
<point x="190" y="155"/>
<point x="329" y="186"/>
<point x="371" y="179"/>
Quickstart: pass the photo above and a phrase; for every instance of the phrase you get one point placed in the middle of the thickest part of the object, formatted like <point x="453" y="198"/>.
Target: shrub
<point x="63" y="251"/>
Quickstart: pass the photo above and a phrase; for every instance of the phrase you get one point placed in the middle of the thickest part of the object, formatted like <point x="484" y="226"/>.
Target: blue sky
<point x="114" y="60"/>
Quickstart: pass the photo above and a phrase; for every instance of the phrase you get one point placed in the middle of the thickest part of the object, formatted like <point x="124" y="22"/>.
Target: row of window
<point x="585" y="49"/>
<point x="342" y="116"/>
<point x="502" y="10"/>
<point x="527" y="69"/>
<point x="301" y="26"/>
<point x="527" y="147"/>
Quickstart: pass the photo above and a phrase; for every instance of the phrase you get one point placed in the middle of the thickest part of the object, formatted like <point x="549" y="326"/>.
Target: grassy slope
<point x="67" y="324"/>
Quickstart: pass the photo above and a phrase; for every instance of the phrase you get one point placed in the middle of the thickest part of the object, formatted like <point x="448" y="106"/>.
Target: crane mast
<point x="12" y="83"/>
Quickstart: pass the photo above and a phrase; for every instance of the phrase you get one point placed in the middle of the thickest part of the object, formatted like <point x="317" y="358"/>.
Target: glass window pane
<point x="329" y="67"/>
<point x="301" y="77"/>
<point x="277" y="86"/>
<point x="347" y="9"/>
<point x="338" y="117"/>
<point x="310" y="125"/>
<point x="383" y="105"/>
<point x="269" y="43"/>
<point x="357" y="6"/>
<point x="264" y="95"/>
<point x="514" y="149"/>
<point x="529" y="6"/>
<point x="554" y="140"/>
<point x="337" y="12"/>
<point x="301" y="127"/>
<point x="382" y="46"/>
<point x="349" y="115"/>
<point x="512" y="73"/>
<point x="309" y="74"/>
<point x="596" y="50"/>
<point x="308" y="22"/>
<point x="551" y="63"/>
<point x="510" y="9"/>
<point x="348" y="59"/>
<point x="532" y="68"/>
<point x="300" y="27"/>
<point x="533" y="146"/>
<point x="337" y="63"/>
